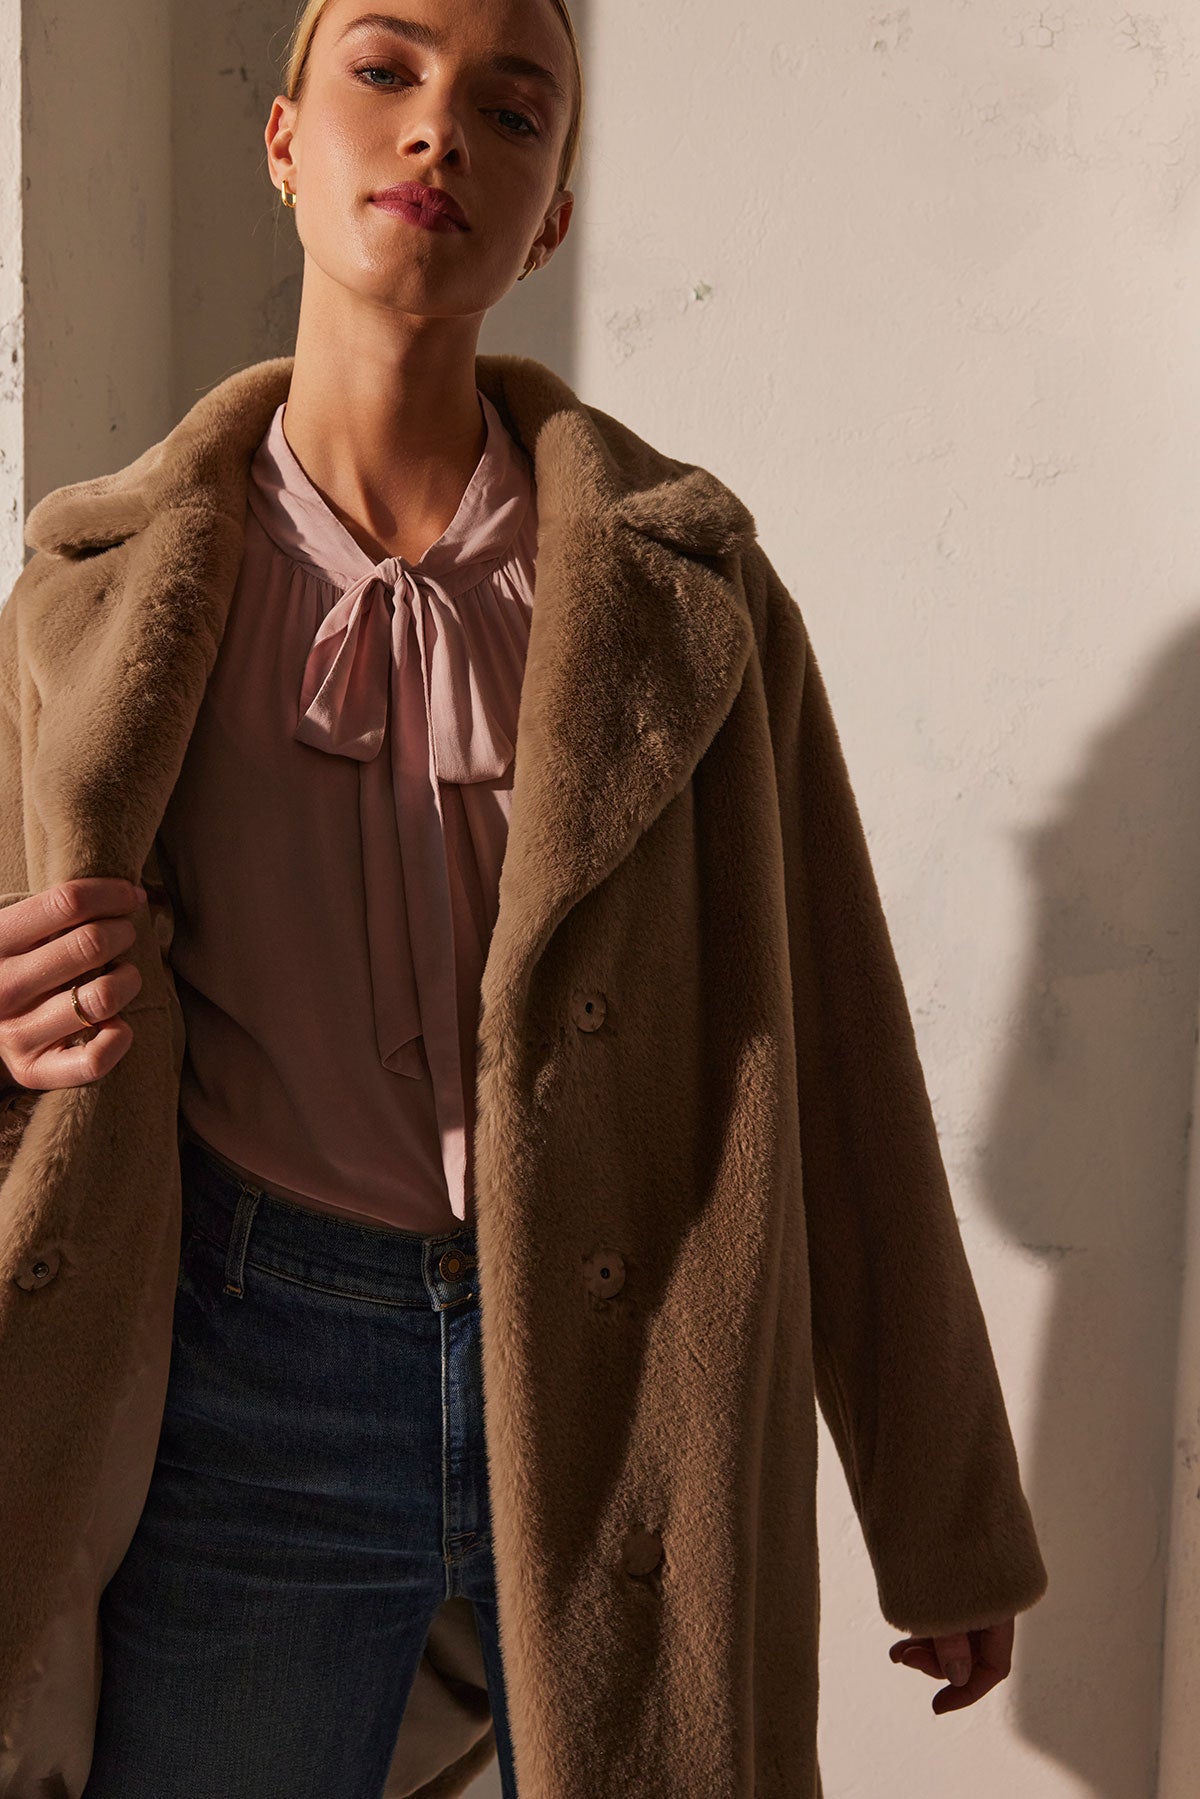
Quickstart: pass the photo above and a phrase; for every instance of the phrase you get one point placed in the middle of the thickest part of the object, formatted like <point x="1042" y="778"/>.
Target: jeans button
<point x="454" y="1262"/>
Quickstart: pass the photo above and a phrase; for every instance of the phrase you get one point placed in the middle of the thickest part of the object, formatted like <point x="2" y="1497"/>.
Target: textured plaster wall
<point x="920" y="282"/>
<point x="97" y="196"/>
<point x="12" y="383"/>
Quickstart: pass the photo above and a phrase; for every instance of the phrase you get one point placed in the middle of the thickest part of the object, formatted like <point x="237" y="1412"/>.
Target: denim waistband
<point x="258" y="1229"/>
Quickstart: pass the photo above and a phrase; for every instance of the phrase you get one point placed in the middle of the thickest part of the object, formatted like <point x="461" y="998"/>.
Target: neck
<point x="386" y="422"/>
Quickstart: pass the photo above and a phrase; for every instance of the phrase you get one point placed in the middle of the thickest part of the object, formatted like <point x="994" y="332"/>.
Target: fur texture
<point x="710" y="1193"/>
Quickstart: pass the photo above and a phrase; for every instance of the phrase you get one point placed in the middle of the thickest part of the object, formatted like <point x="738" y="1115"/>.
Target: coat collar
<point x="639" y="637"/>
<point x="204" y="463"/>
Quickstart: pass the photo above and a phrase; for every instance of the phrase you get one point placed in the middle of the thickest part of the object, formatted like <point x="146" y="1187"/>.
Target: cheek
<point x="342" y="154"/>
<point x="336" y="173"/>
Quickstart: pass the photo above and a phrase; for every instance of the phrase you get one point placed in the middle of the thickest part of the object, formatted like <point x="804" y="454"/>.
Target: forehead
<point x="512" y="36"/>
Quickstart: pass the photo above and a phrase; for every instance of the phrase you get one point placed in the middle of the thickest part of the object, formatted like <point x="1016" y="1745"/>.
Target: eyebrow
<point x="499" y="62"/>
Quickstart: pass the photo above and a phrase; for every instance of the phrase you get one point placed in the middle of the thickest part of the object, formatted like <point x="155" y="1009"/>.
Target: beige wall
<point x="12" y="309"/>
<point x="97" y="197"/>
<point x="920" y="283"/>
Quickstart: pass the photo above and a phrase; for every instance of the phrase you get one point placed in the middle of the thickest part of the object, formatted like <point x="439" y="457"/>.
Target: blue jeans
<point x="320" y="1488"/>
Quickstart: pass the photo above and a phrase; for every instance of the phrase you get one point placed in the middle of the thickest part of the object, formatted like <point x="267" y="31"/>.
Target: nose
<point x="435" y="131"/>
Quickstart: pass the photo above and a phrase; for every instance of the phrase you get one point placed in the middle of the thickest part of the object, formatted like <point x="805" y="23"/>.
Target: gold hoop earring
<point x="289" y="200"/>
<point x="527" y="270"/>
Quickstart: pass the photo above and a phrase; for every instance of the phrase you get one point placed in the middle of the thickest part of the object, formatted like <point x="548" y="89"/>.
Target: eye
<point x="524" y="128"/>
<point x="374" y="69"/>
<point x="531" y="131"/>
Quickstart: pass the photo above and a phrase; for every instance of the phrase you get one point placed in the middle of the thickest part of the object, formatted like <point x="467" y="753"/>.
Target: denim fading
<point x="320" y="1488"/>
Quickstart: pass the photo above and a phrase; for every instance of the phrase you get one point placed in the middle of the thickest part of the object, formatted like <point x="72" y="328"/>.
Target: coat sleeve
<point x="16" y="1102"/>
<point x="904" y="1369"/>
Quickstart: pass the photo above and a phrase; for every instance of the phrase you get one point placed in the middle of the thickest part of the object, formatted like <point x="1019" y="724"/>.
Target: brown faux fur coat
<point x="743" y="1140"/>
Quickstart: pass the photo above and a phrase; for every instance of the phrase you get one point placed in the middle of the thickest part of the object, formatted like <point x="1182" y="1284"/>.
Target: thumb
<point x="955" y="1657"/>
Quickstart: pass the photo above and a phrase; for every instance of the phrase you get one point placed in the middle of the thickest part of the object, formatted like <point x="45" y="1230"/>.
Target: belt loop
<point x="248" y="1198"/>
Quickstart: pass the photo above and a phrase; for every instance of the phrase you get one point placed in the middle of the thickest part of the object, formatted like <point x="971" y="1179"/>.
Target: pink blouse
<point x="333" y="844"/>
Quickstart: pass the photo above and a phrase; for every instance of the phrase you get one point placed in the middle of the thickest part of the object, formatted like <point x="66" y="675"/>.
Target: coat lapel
<point x="638" y="640"/>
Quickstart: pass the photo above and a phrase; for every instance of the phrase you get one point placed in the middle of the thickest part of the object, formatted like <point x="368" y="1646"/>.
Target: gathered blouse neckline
<point x="300" y="521"/>
<point x="409" y="673"/>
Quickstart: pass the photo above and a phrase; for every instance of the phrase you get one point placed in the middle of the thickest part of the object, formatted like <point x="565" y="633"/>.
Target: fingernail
<point x="960" y="1673"/>
<point x="140" y="891"/>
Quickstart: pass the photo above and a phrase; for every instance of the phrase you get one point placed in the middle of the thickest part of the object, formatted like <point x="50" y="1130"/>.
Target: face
<point x="379" y="106"/>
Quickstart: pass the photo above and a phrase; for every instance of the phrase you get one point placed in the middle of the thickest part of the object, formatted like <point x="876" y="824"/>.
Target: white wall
<point x="12" y="309"/>
<point x="920" y="283"/>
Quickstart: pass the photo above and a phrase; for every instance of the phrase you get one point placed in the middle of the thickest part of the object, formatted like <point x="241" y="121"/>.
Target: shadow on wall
<point x="1085" y="1160"/>
<point x="236" y="261"/>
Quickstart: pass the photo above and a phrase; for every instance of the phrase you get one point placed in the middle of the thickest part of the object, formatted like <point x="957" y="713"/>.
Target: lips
<point x="434" y="202"/>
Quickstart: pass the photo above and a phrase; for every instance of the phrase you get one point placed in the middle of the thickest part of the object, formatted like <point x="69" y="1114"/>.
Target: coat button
<point x="37" y="1269"/>
<point x="605" y="1273"/>
<point x="641" y="1551"/>
<point x="589" y="1010"/>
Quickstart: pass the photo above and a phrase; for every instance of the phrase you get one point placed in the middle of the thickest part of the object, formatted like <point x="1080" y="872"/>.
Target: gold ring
<point x="90" y="1022"/>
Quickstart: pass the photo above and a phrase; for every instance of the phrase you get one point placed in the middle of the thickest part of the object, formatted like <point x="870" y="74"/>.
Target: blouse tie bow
<point x="345" y="692"/>
<point x="360" y="661"/>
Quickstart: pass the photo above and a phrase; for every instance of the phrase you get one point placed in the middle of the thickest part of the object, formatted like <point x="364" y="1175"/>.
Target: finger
<point x="80" y="1064"/>
<point x="952" y="1699"/>
<point x="995" y="1646"/>
<point x="956" y="1654"/>
<point x="55" y="1025"/>
<point x="81" y="954"/>
<point x="31" y="921"/>
<point x="100" y="998"/>
<point x="917" y="1652"/>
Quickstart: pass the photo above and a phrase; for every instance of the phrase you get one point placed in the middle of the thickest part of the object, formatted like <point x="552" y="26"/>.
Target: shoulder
<point x="604" y="468"/>
<point x="201" y="464"/>
<point x="779" y="626"/>
<point x="682" y="502"/>
<point x="691" y="507"/>
<point x="45" y="572"/>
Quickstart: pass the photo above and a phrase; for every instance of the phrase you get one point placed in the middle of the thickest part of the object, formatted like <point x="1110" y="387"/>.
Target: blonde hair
<point x="306" y="24"/>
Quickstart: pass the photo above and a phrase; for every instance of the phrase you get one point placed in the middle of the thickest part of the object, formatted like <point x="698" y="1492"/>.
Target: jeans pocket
<point x="199" y="1281"/>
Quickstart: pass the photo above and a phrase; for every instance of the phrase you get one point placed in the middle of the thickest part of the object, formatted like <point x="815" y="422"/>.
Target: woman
<point x="481" y="1062"/>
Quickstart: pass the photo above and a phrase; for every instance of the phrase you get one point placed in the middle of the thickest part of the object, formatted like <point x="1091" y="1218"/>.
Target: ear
<point x="277" y="135"/>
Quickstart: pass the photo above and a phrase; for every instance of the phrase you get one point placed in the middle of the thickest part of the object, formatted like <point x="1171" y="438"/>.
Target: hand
<point x="48" y="942"/>
<point x="986" y="1655"/>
